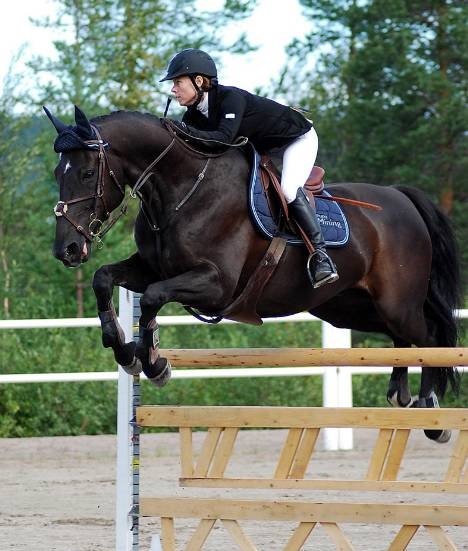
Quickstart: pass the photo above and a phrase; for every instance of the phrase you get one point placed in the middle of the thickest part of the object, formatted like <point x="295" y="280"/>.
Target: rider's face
<point x="184" y="91"/>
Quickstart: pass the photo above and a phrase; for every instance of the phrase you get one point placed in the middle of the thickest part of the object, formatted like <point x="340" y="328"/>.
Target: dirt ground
<point x="59" y="493"/>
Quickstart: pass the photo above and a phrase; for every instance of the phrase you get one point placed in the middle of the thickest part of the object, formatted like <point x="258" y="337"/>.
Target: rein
<point x="175" y="130"/>
<point x="147" y="172"/>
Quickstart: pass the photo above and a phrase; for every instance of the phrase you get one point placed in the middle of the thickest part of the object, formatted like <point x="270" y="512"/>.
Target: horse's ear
<point x="58" y="124"/>
<point x="83" y="125"/>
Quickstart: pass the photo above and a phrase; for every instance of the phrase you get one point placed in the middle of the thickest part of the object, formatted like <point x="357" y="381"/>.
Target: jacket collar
<point x="212" y="103"/>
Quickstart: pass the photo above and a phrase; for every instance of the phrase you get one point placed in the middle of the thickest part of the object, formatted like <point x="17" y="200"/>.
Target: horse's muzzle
<point x="73" y="254"/>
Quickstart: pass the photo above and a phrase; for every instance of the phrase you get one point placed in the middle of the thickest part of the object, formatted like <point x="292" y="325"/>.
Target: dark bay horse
<point x="196" y="245"/>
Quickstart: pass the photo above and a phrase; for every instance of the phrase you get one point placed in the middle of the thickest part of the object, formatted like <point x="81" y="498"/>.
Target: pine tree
<point x="390" y="88"/>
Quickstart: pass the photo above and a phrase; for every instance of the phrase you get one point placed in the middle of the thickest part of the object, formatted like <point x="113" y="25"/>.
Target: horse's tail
<point x="445" y="287"/>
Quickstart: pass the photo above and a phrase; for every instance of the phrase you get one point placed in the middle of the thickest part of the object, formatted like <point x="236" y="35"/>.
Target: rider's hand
<point x="179" y="125"/>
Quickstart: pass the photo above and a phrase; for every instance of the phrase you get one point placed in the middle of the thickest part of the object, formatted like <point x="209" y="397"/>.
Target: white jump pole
<point x="337" y="392"/>
<point x="337" y="388"/>
<point x="124" y="480"/>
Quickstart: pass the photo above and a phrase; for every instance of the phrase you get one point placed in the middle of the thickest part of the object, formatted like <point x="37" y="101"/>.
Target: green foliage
<point x="120" y="49"/>
<point x="388" y="94"/>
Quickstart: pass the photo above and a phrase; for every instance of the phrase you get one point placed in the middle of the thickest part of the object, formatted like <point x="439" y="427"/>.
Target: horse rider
<point x="217" y="113"/>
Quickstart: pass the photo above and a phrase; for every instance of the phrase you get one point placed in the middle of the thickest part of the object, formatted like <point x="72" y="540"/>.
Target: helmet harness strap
<point x="198" y="90"/>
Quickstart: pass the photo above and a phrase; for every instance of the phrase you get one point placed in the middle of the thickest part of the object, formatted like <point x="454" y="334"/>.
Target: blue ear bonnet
<point x="73" y="137"/>
<point x="69" y="139"/>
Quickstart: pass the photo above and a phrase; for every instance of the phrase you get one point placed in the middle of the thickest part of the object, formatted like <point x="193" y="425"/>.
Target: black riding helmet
<point x="191" y="62"/>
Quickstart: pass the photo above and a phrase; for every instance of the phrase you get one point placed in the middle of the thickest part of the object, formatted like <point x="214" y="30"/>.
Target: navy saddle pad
<point x="332" y="219"/>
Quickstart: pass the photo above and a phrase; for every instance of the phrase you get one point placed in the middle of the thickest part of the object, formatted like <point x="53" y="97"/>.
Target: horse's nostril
<point x="72" y="250"/>
<point x="68" y="254"/>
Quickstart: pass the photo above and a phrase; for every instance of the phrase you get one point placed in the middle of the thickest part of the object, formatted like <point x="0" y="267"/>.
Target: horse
<point x="196" y="245"/>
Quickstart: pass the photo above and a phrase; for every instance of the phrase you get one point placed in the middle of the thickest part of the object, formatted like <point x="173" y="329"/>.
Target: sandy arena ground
<point x="59" y="493"/>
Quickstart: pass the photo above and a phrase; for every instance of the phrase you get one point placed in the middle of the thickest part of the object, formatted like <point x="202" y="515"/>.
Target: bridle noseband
<point x="95" y="228"/>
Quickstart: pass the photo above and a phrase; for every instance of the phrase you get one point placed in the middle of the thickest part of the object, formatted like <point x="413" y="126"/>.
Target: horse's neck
<point x="136" y="146"/>
<point x="177" y="171"/>
<point x="166" y="167"/>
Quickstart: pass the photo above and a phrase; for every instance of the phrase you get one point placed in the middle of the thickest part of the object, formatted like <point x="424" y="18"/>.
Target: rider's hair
<point x="206" y="84"/>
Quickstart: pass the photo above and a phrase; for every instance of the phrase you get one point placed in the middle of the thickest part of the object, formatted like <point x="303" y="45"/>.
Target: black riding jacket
<point x="233" y="112"/>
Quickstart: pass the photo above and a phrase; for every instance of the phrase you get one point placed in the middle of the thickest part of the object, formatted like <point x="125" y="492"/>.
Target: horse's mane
<point x="126" y="115"/>
<point x="136" y="117"/>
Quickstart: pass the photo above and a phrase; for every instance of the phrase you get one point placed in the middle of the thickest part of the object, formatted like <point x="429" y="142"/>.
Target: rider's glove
<point x="179" y="125"/>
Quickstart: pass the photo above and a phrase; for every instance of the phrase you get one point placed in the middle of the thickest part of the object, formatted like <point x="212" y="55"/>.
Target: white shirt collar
<point x="203" y="105"/>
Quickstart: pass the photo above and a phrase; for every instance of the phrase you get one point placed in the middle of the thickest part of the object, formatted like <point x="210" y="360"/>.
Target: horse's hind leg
<point x="432" y="379"/>
<point x="399" y="392"/>
<point x="411" y="328"/>
<point x="406" y="326"/>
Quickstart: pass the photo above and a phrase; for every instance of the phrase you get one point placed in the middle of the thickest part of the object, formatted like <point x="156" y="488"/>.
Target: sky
<point x="271" y="28"/>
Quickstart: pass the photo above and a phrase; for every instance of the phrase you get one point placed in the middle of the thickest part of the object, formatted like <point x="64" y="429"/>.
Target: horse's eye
<point x="88" y="174"/>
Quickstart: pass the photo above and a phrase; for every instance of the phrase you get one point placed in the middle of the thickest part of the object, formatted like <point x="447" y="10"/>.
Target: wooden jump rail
<point x="310" y="357"/>
<point x="207" y="469"/>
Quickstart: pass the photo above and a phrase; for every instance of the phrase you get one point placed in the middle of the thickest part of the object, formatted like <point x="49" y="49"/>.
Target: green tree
<point x="391" y="79"/>
<point x="388" y="94"/>
<point x="113" y="53"/>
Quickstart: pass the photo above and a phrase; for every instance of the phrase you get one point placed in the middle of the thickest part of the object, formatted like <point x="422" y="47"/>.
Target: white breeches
<point x="298" y="160"/>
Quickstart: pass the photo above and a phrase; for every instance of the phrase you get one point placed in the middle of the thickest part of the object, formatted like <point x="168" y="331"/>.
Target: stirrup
<point x="328" y="279"/>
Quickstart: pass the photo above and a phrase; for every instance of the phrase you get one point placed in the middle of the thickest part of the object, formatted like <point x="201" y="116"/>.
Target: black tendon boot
<point x="320" y="266"/>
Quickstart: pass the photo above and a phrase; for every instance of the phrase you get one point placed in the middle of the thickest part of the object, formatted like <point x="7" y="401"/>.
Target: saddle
<point x="270" y="176"/>
<point x="269" y="208"/>
<point x="265" y="194"/>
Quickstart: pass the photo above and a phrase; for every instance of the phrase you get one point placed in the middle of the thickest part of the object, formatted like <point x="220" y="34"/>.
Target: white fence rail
<point x="331" y="338"/>
<point x="334" y="335"/>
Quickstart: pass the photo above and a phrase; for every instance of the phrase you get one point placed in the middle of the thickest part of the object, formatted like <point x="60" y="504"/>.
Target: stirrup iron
<point x="310" y="271"/>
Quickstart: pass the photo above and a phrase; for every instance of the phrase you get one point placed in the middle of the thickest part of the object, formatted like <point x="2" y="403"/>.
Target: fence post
<point x="337" y="387"/>
<point x="124" y="482"/>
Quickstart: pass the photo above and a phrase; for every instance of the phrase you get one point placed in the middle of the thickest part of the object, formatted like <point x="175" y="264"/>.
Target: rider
<point x="217" y="113"/>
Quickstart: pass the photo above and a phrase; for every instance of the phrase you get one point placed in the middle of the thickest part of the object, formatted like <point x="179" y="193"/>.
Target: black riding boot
<point x="320" y="266"/>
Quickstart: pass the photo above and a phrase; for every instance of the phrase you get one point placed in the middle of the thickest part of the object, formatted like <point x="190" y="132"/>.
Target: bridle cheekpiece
<point x="95" y="230"/>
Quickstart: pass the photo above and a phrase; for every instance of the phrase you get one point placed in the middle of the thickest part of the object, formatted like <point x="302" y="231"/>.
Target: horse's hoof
<point x="439" y="436"/>
<point x="163" y="369"/>
<point x="135" y="368"/>
<point x="395" y="401"/>
<point x="125" y="356"/>
<point x="443" y="437"/>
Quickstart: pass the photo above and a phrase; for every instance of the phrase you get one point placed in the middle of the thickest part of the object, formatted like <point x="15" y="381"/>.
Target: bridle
<point x="95" y="228"/>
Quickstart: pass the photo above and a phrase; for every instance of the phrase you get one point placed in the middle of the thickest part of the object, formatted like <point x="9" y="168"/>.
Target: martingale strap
<point x="244" y="307"/>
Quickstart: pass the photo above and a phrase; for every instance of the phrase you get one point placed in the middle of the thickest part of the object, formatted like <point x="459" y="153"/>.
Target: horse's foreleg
<point x="199" y="288"/>
<point x="134" y="275"/>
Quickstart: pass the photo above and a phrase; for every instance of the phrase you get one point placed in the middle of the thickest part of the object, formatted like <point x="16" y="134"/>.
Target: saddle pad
<point x="332" y="219"/>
